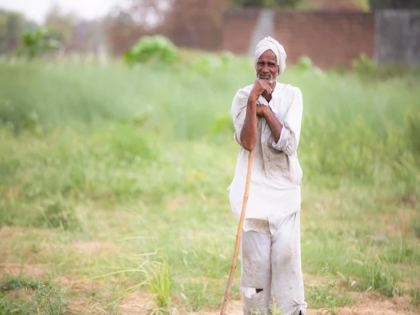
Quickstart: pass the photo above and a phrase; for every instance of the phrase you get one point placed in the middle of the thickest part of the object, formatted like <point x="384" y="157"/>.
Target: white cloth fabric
<point x="276" y="173"/>
<point x="269" y="43"/>
<point x="271" y="258"/>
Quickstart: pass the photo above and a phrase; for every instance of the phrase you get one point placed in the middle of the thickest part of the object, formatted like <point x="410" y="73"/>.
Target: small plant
<point x="160" y="285"/>
<point x="51" y="300"/>
<point x="415" y="297"/>
<point x="325" y="295"/>
<point x="36" y="43"/>
<point x="156" y="48"/>
<point x="378" y="277"/>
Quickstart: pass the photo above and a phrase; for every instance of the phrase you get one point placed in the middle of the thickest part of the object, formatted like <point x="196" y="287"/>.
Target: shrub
<point x="36" y="43"/>
<point x="149" y="49"/>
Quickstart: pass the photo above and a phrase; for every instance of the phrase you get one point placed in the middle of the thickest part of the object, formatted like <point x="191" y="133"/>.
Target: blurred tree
<point x="266" y="3"/>
<point x="60" y="25"/>
<point x="394" y="4"/>
<point x="36" y="43"/>
<point x="12" y="26"/>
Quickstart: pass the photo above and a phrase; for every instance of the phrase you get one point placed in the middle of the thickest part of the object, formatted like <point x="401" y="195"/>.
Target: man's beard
<point x="268" y="78"/>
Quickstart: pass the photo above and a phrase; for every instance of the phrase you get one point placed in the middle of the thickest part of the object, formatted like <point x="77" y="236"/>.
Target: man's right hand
<point x="259" y="87"/>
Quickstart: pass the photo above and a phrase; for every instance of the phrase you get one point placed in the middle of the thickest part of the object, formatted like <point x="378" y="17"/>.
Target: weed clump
<point x="326" y="295"/>
<point x="377" y="276"/>
<point x="58" y="215"/>
<point x="43" y="297"/>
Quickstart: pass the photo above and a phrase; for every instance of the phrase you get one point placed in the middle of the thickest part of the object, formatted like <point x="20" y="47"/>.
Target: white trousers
<point x="271" y="259"/>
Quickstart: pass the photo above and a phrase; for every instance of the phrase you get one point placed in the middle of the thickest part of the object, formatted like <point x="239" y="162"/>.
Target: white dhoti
<point x="271" y="260"/>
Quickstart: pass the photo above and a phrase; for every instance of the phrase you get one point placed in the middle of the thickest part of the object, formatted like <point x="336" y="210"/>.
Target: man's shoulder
<point x="289" y="89"/>
<point x="244" y="92"/>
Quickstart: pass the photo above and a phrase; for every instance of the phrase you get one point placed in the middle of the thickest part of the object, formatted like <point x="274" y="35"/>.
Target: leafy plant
<point x="36" y="43"/>
<point x="156" y="48"/>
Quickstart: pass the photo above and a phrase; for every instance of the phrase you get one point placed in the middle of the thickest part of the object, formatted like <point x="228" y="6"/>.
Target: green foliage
<point x="12" y="26"/>
<point x="14" y="305"/>
<point x="326" y="295"/>
<point x="377" y="276"/>
<point x="135" y="153"/>
<point x="210" y="63"/>
<point x="36" y="43"/>
<point x="10" y="282"/>
<point x="223" y="124"/>
<point x="207" y="63"/>
<point x="415" y="227"/>
<point x="305" y="63"/>
<point x="156" y="49"/>
<point x="412" y="123"/>
<point x="51" y="300"/>
<point x="58" y="215"/>
<point x="45" y="297"/>
<point x="160" y="285"/>
<point x="364" y="67"/>
<point x="415" y="297"/>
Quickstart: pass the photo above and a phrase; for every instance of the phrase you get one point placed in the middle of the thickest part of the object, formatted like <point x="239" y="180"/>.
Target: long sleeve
<point x="290" y="134"/>
<point x="238" y="111"/>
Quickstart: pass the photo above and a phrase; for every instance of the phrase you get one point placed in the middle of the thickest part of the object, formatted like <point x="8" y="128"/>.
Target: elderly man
<point x="271" y="236"/>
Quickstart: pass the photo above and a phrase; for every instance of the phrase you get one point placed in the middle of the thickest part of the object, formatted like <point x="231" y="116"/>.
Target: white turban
<point x="270" y="43"/>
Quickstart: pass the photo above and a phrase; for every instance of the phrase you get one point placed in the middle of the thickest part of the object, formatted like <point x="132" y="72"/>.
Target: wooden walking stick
<point x="238" y="234"/>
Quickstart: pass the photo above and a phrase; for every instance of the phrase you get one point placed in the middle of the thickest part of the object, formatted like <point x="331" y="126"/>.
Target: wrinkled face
<point x="267" y="68"/>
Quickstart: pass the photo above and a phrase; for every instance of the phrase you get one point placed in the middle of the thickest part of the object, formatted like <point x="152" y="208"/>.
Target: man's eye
<point x="260" y="63"/>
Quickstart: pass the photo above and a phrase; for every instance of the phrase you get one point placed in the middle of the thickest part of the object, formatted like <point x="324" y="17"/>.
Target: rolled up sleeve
<point x="290" y="134"/>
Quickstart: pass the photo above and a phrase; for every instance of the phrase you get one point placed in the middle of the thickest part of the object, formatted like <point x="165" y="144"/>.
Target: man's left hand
<point x="261" y="110"/>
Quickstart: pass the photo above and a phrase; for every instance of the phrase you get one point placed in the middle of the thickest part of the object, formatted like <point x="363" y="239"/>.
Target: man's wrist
<point x="253" y="98"/>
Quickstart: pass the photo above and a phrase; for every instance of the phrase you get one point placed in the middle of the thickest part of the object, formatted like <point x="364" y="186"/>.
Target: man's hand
<point x="260" y="86"/>
<point x="261" y="110"/>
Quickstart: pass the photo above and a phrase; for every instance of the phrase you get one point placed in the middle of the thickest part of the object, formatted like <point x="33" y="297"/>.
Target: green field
<point x="113" y="188"/>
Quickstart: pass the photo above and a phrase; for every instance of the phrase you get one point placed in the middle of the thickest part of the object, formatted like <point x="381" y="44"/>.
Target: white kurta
<point x="271" y="241"/>
<point x="276" y="173"/>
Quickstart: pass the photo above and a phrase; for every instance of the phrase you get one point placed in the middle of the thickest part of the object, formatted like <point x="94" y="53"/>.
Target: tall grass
<point x="351" y="129"/>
